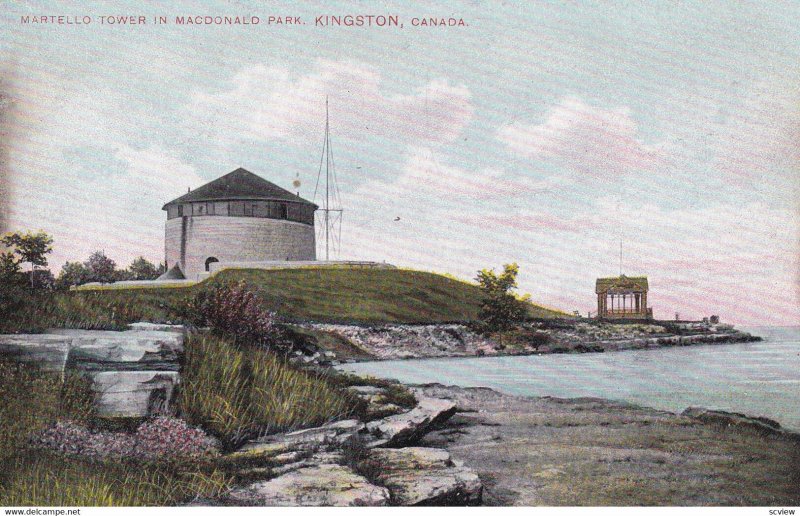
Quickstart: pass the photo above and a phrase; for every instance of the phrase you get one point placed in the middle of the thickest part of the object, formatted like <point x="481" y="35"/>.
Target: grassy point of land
<point x="335" y="295"/>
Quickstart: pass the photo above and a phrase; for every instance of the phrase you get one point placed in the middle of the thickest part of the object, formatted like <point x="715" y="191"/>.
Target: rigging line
<point x="319" y="174"/>
<point x="337" y="192"/>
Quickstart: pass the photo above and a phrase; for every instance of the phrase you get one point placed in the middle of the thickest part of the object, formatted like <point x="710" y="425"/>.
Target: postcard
<point x="452" y="253"/>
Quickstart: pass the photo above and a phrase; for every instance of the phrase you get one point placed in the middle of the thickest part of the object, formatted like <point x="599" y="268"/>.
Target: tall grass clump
<point x="238" y="393"/>
<point x="39" y="478"/>
<point x="31" y="400"/>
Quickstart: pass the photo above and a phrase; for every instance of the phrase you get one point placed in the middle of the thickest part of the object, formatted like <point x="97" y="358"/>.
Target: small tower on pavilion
<point x="623" y="297"/>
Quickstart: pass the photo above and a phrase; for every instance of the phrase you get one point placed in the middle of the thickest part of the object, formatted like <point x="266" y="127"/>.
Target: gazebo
<point x="622" y="297"/>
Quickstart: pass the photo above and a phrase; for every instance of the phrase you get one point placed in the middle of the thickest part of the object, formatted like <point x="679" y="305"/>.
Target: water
<point x="758" y="379"/>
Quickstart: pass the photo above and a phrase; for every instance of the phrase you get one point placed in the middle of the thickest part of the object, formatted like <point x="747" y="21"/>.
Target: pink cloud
<point x="593" y="141"/>
<point x="426" y="171"/>
<point x="532" y="222"/>
<point x="271" y="103"/>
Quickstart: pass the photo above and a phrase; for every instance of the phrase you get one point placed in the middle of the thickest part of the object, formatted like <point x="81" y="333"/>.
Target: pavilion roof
<point x="638" y="283"/>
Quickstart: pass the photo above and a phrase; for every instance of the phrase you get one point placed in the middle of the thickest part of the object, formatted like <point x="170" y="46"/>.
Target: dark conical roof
<point x="240" y="184"/>
<point x="174" y="273"/>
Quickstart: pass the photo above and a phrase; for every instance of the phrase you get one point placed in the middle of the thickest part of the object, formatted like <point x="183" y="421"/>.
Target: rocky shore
<point x="338" y="343"/>
<point x="355" y="463"/>
<point x="587" y="451"/>
<point x="437" y="445"/>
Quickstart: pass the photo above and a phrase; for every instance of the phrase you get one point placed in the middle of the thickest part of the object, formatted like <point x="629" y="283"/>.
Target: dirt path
<point x="547" y="451"/>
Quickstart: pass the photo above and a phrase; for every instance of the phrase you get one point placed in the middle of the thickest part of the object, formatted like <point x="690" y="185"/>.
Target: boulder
<point x="365" y="390"/>
<point x="426" y="476"/>
<point x="315" y="486"/>
<point x="408" y="427"/>
<point x="133" y="393"/>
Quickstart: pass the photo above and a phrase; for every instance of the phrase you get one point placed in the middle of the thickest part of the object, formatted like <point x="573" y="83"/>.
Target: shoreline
<point x="413" y="342"/>
<point x="594" y="451"/>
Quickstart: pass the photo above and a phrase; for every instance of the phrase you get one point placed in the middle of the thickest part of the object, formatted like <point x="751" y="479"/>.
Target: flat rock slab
<point x="117" y="350"/>
<point x="409" y="427"/>
<point x="134" y="372"/>
<point x="323" y="485"/>
<point x="426" y="476"/>
<point x="50" y="352"/>
<point x="307" y="439"/>
<point x="147" y="326"/>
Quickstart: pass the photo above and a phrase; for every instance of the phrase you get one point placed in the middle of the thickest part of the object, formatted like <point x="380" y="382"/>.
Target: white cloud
<point x="593" y="141"/>
<point x="266" y="103"/>
<point x="119" y="213"/>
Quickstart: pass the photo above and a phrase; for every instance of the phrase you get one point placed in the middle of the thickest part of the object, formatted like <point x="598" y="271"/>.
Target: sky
<point x="547" y="134"/>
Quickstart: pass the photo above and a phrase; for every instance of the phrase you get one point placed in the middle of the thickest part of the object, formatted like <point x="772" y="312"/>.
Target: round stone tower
<point x="239" y="217"/>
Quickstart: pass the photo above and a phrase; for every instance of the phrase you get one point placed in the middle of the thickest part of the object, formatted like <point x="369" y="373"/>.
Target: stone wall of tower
<point x="190" y="241"/>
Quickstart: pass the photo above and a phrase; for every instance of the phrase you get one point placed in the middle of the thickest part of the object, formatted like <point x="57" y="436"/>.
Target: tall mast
<point x="330" y="214"/>
<point x="327" y="181"/>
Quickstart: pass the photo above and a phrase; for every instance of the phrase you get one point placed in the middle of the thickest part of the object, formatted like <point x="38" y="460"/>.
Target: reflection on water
<point x="759" y="378"/>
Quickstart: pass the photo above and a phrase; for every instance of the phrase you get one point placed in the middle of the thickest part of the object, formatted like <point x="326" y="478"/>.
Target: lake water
<point x="758" y="379"/>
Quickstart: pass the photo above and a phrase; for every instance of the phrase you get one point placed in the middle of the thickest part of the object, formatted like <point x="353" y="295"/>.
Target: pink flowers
<point x="236" y="311"/>
<point x="159" y="438"/>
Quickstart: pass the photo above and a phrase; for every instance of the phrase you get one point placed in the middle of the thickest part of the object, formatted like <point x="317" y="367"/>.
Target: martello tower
<point x="239" y="217"/>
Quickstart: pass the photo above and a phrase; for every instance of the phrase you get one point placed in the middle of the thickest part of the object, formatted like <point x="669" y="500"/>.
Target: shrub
<point x="236" y="312"/>
<point x="30" y="401"/>
<point x="500" y="310"/>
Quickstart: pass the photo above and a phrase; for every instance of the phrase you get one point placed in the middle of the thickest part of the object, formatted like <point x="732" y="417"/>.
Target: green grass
<point x="31" y="400"/>
<point x="238" y="394"/>
<point x="322" y="295"/>
<point x="42" y="479"/>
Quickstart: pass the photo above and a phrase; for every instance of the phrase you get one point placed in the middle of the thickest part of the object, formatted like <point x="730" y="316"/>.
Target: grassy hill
<point x="309" y="294"/>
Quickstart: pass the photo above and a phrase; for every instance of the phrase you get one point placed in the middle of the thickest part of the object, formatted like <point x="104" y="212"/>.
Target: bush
<point x="500" y="310"/>
<point x="236" y="312"/>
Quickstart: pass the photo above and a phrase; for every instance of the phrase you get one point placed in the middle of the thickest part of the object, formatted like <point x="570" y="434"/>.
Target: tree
<point x="72" y="274"/>
<point x="9" y="267"/>
<point x="142" y="269"/>
<point x="101" y="268"/>
<point x="500" y="310"/>
<point x="29" y="247"/>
